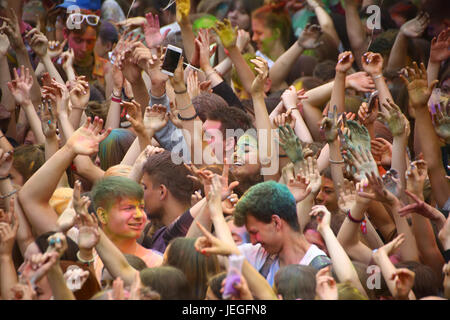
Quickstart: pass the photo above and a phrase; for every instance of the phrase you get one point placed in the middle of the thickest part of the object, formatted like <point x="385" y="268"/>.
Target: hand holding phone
<point x="171" y="59"/>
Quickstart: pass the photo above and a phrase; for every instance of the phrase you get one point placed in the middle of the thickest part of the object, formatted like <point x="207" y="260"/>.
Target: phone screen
<point x="171" y="60"/>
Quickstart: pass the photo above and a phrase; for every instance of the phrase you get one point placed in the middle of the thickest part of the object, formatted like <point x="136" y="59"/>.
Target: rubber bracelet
<point x="114" y="99"/>
<point x="9" y="194"/>
<point x="6" y="177"/>
<point x="336" y="162"/>
<point x="188" y="119"/>
<point x="378" y="76"/>
<point x="180" y="92"/>
<point x="353" y="219"/>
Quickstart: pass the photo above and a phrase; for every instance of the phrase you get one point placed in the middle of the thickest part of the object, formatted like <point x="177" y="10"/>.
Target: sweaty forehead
<point x="89" y="34"/>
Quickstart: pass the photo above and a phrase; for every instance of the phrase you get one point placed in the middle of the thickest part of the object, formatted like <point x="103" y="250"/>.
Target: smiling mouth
<point x="136" y="225"/>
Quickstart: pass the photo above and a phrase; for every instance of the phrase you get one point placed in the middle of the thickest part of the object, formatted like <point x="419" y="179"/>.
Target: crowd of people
<point x="296" y="150"/>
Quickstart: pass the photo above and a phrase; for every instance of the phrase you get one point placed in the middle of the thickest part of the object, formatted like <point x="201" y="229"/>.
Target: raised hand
<point x="441" y="120"/>
<point x="202" y="49"/>
<point x="323" y="216"/>
<point x="416" y="176"/>
<point x="355" y="135"/>
<point x="85" y="140"/>
<point x="87" y="224"/>
<point x="80" y="93"/>
<point x="372" y="63"/>
<point x="193" y="87"/>
<point x="131" y="23"/>
<point x="75" y="277"/>
<point x="11" y="28"/>
<point x="183" y="9"/>
<point x="290" y="97"/>
<point x="365" y="116"/>
<point x="67" y="58"/>
<point x="395" y="119"/>
<point x="21" y="85"/>
<point x="418" y="89"/>
<point x="380" y="192"/>
<point x="404" y="281"/>
<point x="155" y="118"/>
<point x="243" y="39"/>
<point x="6" y="161"/>
<point x="363" y="162"/>
<point x="38" y="42"/>
<point x="153" y="37"/>
<point x="57" y="243"/>
<point x="299" y="187"/>
<point x="360" y="81"/>
<point x="347" y="196"/>
<point x="4" y="44"/>
<point x="55" y="48"/>
<point x="226" y="33"/>
<point x="214" y="196"/>
<point x="329" y="126"/>
<point x="134" y="115"/>
<point x="209" y="244"/>
<point x="414" y="28"/>
<point x="263" y="72"/>
<point x="243" y="292"/>
<point x="345" y="61"/>
<point x="59" y="95"/>
<point x="391" y="247"/>
<point x="439" y="47"/>
<point x="309" y="169"/>
<point x="48" y="121"/>
<point x="309" y="38"/>
<point x="381" y="151"/>
<point x="420" y="207"/>
<point x="9" y="224"/>
<point x="290" y="143"/>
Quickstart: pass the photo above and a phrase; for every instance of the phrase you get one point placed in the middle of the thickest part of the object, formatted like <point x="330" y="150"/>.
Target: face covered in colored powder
<point x="246" y="156"/>
<point x="126" y="219"/>
<point x="82" y="43"/>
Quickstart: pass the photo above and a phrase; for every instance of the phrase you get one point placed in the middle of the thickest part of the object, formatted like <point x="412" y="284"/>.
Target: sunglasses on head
<point x="79" y="18"/>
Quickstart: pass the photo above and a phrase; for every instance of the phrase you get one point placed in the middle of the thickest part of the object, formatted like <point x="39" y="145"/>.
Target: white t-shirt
<point x="256" y="256"/>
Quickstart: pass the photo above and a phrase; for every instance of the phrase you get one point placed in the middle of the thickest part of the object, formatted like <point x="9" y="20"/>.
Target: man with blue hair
<point x="268" y="210"/>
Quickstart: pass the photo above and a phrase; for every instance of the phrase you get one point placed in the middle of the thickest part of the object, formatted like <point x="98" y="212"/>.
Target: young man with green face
<point x="119" y="205"/>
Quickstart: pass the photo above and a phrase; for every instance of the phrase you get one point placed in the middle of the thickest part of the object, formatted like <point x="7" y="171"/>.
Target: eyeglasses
<point x="76" y="19"/>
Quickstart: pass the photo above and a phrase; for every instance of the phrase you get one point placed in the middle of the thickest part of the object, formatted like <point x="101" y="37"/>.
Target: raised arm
<point x="7" y="99"/>
<point x="228" y="37"/>
<point x="372" y="63"/>
<point x="438" y="52"/>
<point x="355" y="29"/>
<point x="419" y="93"/>
<point x="33" y="198"/>
<point x="345" y="61"/>
<point x="325" y="21"/>
<point x="411" y="29"/>
<point x="308" y="39"/>
<point x="342" y="265"/>
<point x="20" y="88"/>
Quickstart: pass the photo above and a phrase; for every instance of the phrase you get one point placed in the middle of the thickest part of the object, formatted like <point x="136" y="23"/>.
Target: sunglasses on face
<point x="79" y="18"/>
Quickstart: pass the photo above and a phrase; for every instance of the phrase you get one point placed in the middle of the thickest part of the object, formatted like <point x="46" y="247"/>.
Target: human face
<point x="246" y="157"/>
<point x="327" y="195"/>
<point x="152" y="198"/>
<point x="126" y="219"/>
<point x="263" y="233"/>
<point x="239" y="17"/>
<point x="30" y="138"/>
<point x="82" y="44"/>
<point x="238" y="233"/>
<point x="102" y="49"/>
<point x="260" y="33"/>
<point x="213" y="135"/>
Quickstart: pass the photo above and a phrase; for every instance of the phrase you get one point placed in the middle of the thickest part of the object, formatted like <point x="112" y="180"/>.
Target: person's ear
<point x="163" y="192"/>
<point x="102" y="215"/>
<point x="276" y="220"/>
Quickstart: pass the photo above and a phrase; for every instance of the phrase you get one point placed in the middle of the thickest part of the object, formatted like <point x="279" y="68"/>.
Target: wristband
<point x="282" y="156"/>
<point x="353" y="219"/>
<point x="118" y="96"/>
<point x="88" y="262"/>
<point x="9" y="194"/>
<point x="115" y="99"/>
<point x="180" y="92"/>
<point x="6" y="177"/>
<point x="336" y="162"/>
<point x="378" y="76"/>
<point x="188" y="119"/>
<point x="210" y="73"/>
